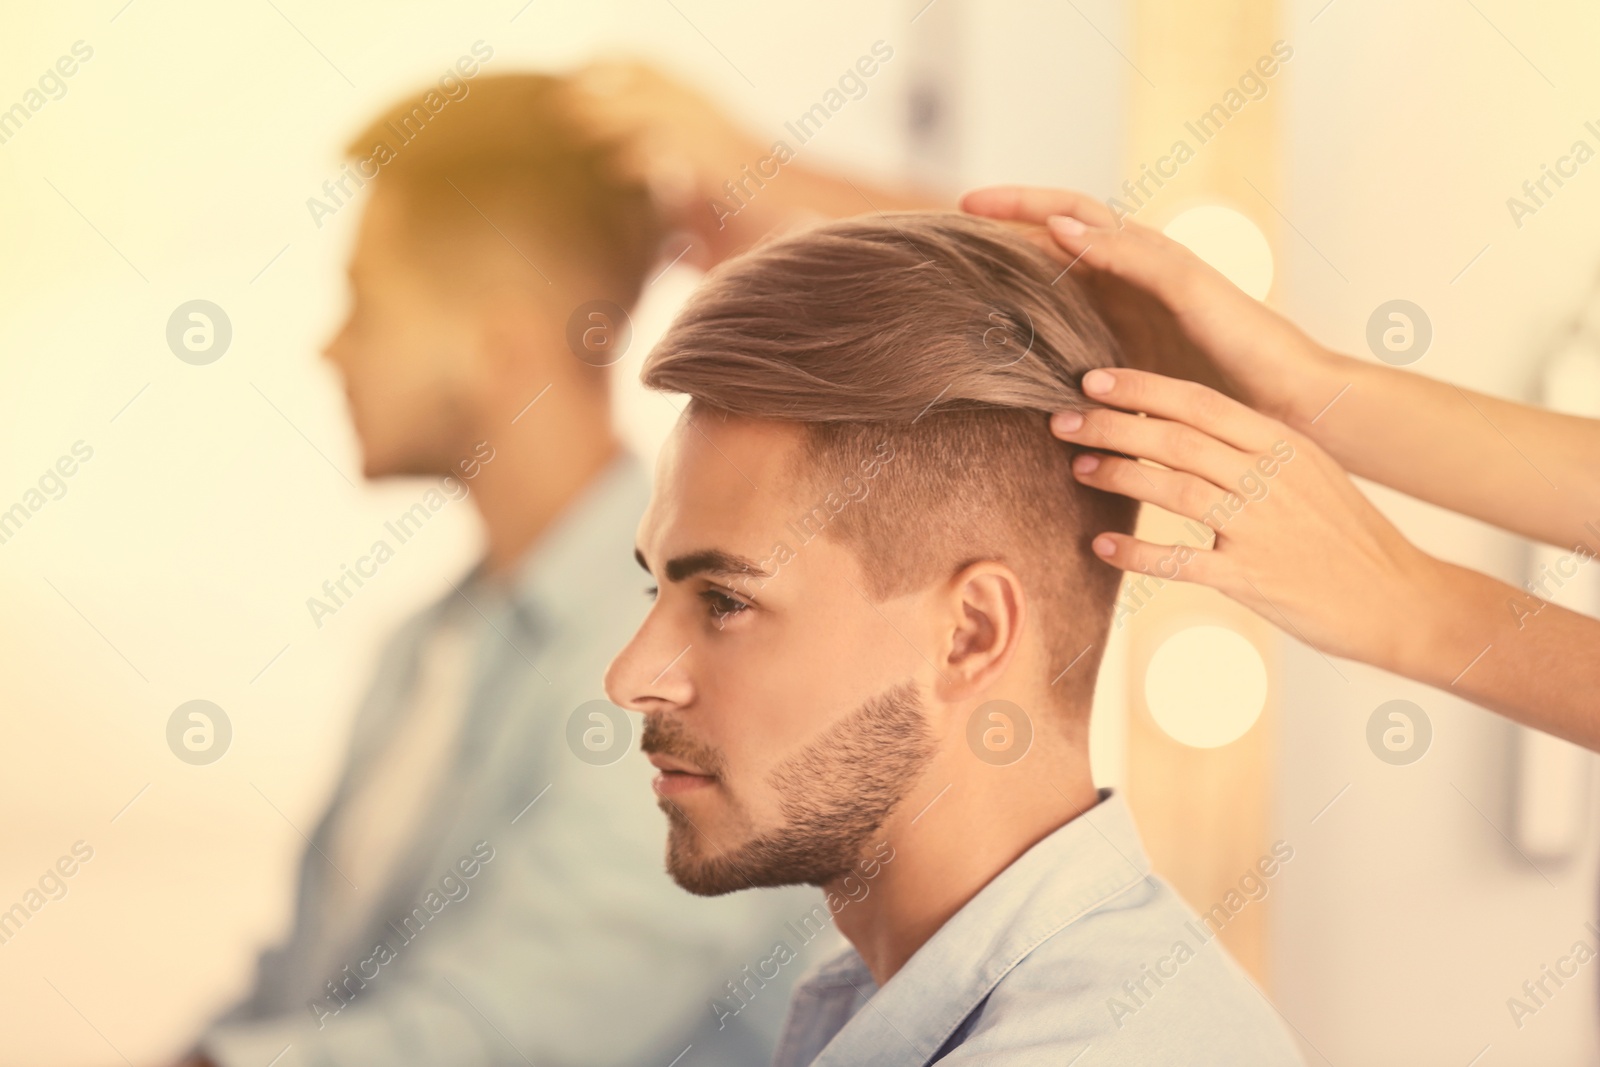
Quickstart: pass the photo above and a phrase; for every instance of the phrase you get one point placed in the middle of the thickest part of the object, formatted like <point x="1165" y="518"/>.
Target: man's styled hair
<point x="951" y="337"/>
<point x="505" y="153"/>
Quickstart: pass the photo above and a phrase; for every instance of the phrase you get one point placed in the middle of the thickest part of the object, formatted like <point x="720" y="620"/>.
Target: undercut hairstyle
<point x="952" y="338"/>
<point x="505" y="158"/>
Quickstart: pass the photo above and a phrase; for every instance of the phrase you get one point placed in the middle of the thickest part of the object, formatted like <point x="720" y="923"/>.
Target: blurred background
<point x="1375" y="164"/>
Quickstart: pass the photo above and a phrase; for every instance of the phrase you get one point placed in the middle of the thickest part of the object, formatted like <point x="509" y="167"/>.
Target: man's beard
<point x="835" y="796"/>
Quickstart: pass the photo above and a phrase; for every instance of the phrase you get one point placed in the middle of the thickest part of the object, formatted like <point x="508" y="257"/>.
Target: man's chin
<point x="702" y="867"/>
<point x="703" y="877"/>
<point x="695" y="863"/>
<point x="695" y="880"/>
<point x="377" y="466"/>
<point x="377" y="463"/>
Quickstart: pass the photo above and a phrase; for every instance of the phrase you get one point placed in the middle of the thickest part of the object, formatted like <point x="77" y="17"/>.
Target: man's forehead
<point x="377" y="232"/>
<point x="723" y="477"/>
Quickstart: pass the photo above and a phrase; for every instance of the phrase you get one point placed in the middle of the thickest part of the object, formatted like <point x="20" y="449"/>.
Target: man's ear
<point x="985" y="611"/>
<point x="524" y="343"/>
<point x="513" y="337"/>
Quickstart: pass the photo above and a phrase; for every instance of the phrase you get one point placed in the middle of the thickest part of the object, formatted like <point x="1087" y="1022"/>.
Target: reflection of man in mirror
<point x="482" y="889"/>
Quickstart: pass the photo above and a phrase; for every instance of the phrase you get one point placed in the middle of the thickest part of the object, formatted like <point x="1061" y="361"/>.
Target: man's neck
<point x="534" y="477"/>
<point x="949" y="845"/>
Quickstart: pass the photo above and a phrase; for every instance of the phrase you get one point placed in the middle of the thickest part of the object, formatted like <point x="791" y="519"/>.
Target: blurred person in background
<point x="484" y="889"/>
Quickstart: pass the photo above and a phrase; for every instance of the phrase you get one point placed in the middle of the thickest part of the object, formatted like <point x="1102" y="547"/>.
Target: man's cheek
<point x="745" y="789"/>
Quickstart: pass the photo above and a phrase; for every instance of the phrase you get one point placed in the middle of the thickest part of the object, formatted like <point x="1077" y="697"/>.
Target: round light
<point x="1229" y="242"/>
<point x="1206" y="686"/>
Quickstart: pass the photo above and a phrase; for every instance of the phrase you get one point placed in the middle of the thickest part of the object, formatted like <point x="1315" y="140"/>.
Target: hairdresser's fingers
<point x="1024" y="203"/>
<point x="1169" y="562"/>
<point x="1040" y="238"/>
<point x="1184" y="401"/>
<point x="1140" y="256"/>
<point x="1176" y="491"/>
<point x="1171" y="444"/>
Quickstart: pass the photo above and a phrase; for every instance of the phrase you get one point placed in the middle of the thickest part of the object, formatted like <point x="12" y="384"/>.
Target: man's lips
<point x="677" y="777"/>
<point x="663" y="762"/>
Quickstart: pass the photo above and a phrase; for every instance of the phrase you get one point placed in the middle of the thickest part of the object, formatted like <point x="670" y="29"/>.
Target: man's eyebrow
<point x="713" y="561"/>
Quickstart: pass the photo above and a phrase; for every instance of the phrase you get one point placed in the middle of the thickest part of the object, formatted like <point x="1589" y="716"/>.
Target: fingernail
<point x="1098" y="382"/>
<point x="1086" y="463"/>
<point x="1067" y="421"/>
<point x="1066" y="225"/>
<point x="1104" y="546"/>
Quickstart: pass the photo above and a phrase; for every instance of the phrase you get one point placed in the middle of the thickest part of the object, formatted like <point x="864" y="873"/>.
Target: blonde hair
<point x="510" y="148"/>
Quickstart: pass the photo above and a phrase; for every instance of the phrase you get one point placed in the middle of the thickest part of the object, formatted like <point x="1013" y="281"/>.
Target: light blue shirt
<point x="570" y="945"/>
<point x="1069" y="956"/>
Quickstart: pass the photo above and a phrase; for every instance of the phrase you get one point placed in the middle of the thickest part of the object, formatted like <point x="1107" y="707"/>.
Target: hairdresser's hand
<point x="1295" y="540"/>
<point x="674" y="139"/>
<point x="1172" y="312"/>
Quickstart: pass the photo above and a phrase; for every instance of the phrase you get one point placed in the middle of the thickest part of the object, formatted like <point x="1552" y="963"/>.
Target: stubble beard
<point x="836" y="794"/>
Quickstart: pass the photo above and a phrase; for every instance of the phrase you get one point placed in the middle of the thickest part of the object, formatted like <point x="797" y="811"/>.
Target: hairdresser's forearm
<point x="800" y="196"/>
<point x="1503" y="649"/>
<point x="836" y="196"/>
<point x="1523" y="469"/>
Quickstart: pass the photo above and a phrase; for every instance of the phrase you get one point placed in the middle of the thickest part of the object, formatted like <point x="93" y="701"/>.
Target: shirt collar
<point x="1070" y="873"/>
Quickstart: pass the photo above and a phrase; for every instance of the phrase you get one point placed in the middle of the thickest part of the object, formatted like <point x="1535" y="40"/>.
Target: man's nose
<point x="336" y="348"/>
<point x="652" y="672"/>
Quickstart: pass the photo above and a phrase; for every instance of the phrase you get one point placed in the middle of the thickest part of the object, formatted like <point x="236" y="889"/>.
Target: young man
<point x="484" y="889"/>
<point x="872" y="651"/>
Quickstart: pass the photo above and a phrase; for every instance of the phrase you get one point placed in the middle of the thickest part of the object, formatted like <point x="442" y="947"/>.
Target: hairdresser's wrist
<point x="1295" y="387"/>
<point x="1448" y="617"/>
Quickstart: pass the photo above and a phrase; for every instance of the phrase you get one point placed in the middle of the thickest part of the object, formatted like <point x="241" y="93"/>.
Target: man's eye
<point x="651" y="591"/>
<point x="721" y="604"/>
